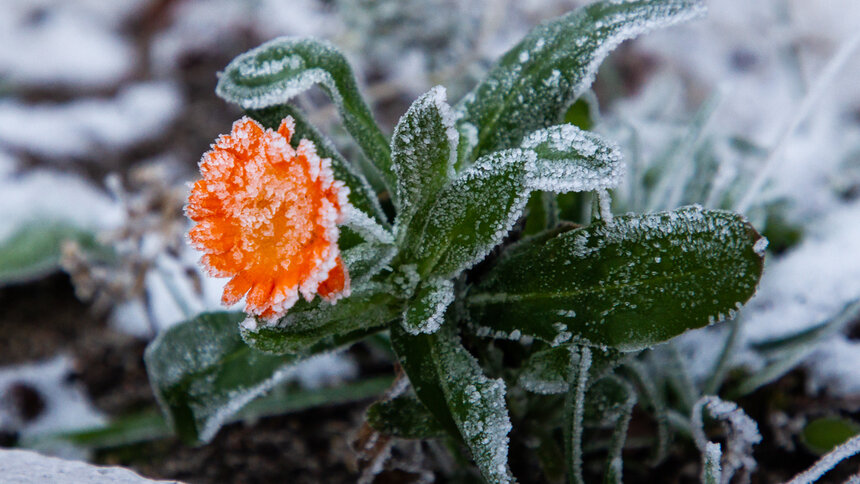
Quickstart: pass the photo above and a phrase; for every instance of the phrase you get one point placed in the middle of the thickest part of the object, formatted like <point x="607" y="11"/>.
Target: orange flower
<point x="267" y="217"/>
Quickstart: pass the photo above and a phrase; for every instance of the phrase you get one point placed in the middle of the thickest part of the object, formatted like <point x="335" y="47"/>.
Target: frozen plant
<point x="500" y="318"/>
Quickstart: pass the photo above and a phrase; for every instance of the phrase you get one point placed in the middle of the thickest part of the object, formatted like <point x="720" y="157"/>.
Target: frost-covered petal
<point x="267" y="216"/>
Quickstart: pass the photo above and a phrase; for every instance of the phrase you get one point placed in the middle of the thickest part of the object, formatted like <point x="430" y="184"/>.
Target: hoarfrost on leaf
<point x="572" y="160"/>
<point x="426" y="311"/>
<point x="472" y="214"/>
<point x="523" y="93"/>
<point x="452" y="385"/>
<point x="278" y="70"/>
<point x="423" y="152"/>
<point x="479" y="409"/>
<point x="636" y="282"/>
<point x="829" y="461"/>
<point x="366" y="226"/>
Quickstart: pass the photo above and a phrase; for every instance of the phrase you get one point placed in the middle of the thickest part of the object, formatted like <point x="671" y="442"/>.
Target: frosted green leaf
<point x="365" y="260"/>
<point x="425" y="312"/>
<point x="534" y="83"/>
<point x="281" y="69"/>
<point x="423" y="152"/>
<point x="203" y="374"/>
<point x="546" y="372"/>
<point x="404" y="417"/>
<point x="449" y="381"/>
<point x="572" y="160"/>
<point x="33" y="250"/>
<point x="307" y="324"/>
<point x="628" y="285"/>
<point x="361" y="195"/>
<point x="471" y="215"/>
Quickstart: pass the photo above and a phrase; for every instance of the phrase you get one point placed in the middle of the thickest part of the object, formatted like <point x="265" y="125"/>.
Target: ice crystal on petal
<point x="267" y="217"/>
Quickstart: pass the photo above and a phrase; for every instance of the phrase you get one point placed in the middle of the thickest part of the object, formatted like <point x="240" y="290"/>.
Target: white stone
<point x="24" y="467"/>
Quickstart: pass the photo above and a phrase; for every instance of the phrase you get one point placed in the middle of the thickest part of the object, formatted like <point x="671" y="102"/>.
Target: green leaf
<point x="451" y="384"/>
<point x="283" y="68"/>
<point x="533" y="84"/>
<point x="423" y="152"/>
<point x="415" y="353"/>
<point x="824" y="434"/>
<point x="285" y="400"/>
<point x="425" y="312"/>
<point x="318" y="322"/>
<point x="572" y="160"/>
<point x="202" y="372"/>
<point x="361" y="195"/>
<point x="546" y="372"/>
<point x="405" y="417"/>
<point x="365" y="260"/>
<point x="629" y="284"/>
<point x="474" y="213"/>
<point x="469" y="216"/>
<point x="127" y="430"/>
<point x="33" y="251"/>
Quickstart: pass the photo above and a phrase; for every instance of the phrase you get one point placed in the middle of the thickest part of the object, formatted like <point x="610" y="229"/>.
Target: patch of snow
<point x="66" y="405"/>
<point x="811" y="283"/>
<point x="84" y="127"/>
<point x="835" y="367"/>
<point x="50" y="42"/>
<point x="28" y="467"/>
<point x="43" y="195"/>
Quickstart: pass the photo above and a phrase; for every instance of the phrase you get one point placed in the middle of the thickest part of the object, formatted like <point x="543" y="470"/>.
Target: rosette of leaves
<point x="494" y="325"/>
